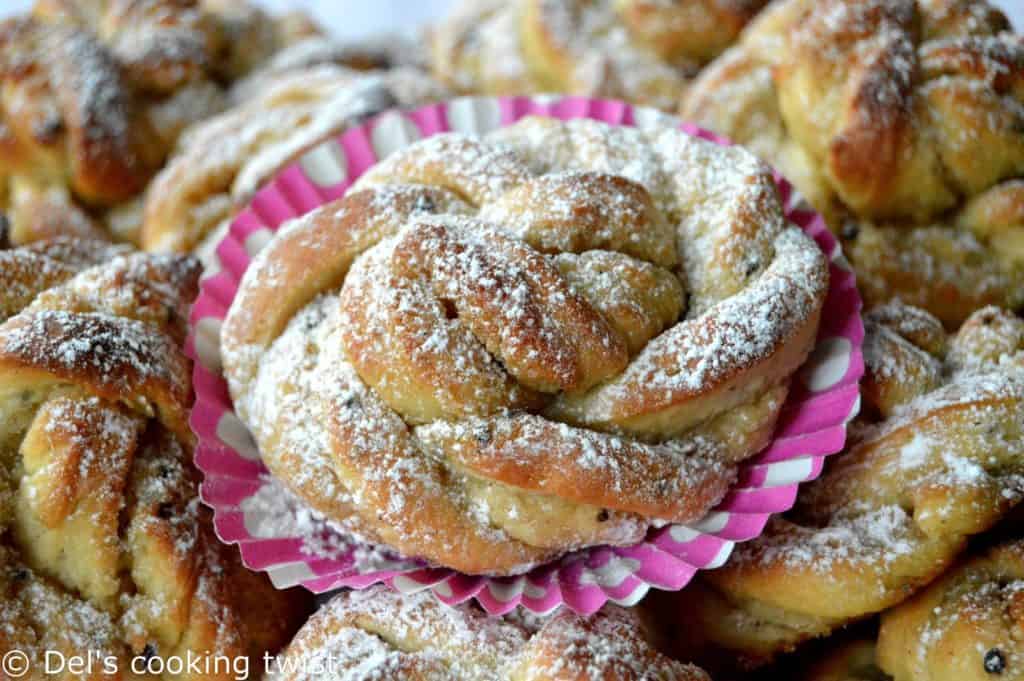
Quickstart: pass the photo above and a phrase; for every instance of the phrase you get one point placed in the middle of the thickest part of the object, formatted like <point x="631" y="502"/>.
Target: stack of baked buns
<point x="498" y="349"/>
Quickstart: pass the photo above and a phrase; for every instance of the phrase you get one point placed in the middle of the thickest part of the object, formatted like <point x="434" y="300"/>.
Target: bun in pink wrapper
<point x="278" y="533"/>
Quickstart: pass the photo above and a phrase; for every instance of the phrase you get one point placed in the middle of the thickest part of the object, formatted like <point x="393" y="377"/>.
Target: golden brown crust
<point x="105" y="546"/>
<point x="895" y="510"/>
<point x="966" y="626"/>
<point x="67" y="116"/>
<point x="900" y="121"/>
<point x="379" y="633"/>
<point x="222" y="162"/>
<point x="949" y="271"/>
<point x="700" y="30"/>
<point x="44" y="212"/>
<point x="637" y="50"/>
<point x="481" y="404"/>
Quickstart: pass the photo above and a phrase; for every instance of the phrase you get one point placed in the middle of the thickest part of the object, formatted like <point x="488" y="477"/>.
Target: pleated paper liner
<point x="278" y="534"/>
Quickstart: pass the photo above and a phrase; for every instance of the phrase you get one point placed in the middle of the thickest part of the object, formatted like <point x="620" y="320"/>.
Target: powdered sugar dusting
<point x="274" y="511"/>
<point x="860" y="536"/>
<point x="109" y="546"/>
<point x="943" y="463"/>
<point x="108" y="346"/>
<point x="552" y="45"/>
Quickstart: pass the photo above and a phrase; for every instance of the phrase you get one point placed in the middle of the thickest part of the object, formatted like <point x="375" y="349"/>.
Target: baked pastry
<point x="899" y="120"/>
<point x="966" y="626"/>
<point x="95" y="95"/>
<point x="164" y="45"/>
<point x="159" y="44"/>
<point x="163" y="50"/>
<point x="166" y="52"/>
<point x="380" y="634"/>
<point x="220" y="164"/>
<point x="945" y="461"/>
<point x="68" y="121"/>
<point x="38" y="212"/>
<point x="480" y="355"/>
<point x="105" y="548"/>
<point x="640" y="50"/>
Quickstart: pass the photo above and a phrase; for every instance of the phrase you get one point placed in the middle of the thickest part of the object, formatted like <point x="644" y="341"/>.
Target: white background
<point x="354" y="18"/>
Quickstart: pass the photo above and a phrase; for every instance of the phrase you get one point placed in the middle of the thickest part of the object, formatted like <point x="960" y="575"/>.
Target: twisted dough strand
<point x="967" y="625"/>
<point x="379" y="633"/>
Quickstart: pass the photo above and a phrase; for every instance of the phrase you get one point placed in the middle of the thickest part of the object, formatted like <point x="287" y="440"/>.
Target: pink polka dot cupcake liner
<point x="279" y="534"/>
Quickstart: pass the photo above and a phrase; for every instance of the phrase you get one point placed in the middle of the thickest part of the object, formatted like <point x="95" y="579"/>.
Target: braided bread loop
<point x="82" y="373"/>
<point x="944" y="462"/>
<point x="378" y="633"/>
<point x="967" y="625"/>
<point x="509" y="363"/>
<point x="104" y="547"/>
<point x="639" y="50"/>
<point x="900" y="121"/>
<point x="67" y="117"/>
<point x="893" y="145"/>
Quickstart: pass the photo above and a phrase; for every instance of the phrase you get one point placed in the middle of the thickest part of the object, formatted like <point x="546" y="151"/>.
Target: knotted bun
<point x="104" y="546"/>
<point x="378" y="633"/>
<point x="492" y="334"/>
<point x="67" y="116"/>
<point x="944" y="462"/>
<point x="901" y="121"/>
<point x="637" y="50"/>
